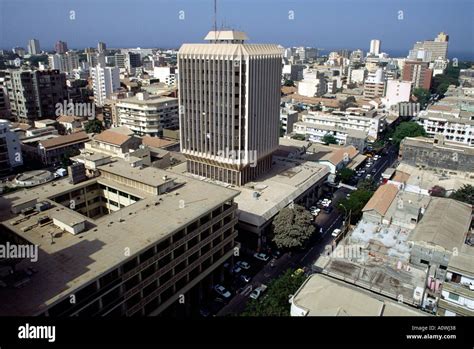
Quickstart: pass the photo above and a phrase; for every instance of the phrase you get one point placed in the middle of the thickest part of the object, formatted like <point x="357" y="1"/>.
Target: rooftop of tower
<point x="230" y="36"/>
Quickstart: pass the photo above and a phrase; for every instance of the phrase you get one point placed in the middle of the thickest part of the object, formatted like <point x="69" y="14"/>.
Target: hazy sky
<point x="155" y="23"/>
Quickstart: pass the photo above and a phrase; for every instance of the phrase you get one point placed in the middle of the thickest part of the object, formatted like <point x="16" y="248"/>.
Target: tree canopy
<point x="94" y="126"/>
<point x="329" y="139"/>
<point x="347" y="103"/>
<point x="464" y="194"/>
<point x="345" y="174"/>
<point x="407" y="129"/>
<point x="275" y="301"/>
<point x="292" y="227"/>
<point x="354" y="204"/>
<point x="422" y="95"/>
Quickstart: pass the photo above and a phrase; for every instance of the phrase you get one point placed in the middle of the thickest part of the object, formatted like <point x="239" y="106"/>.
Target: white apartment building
<point x="166" y="75"/>
<point x="10" y="148"/>
<point x="288" y="118"/>
<point x="357" y="75"/>
<point x="148" y="115"/>
<point x="105" y="81"/>
<point x="396" y="92"/>
<point x="454" y="125"/>
<point x="229" y="97"/>
<point x="64" y="62"/>
<point x="315" y="125"/>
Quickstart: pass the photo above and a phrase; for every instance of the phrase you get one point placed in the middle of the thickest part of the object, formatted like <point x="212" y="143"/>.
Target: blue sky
<point x="325" y="24"/>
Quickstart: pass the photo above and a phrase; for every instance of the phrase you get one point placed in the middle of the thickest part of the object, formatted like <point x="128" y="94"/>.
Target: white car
<point x="258" y="292"/>
<point x="222" y="291"/>
<point x="261" y="256"/>
<point x="313" y="208"/>
<point x="336" y="232"/>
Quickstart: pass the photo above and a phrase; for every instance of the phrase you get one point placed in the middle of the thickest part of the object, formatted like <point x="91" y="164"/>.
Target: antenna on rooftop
<point x="215" y="16"/>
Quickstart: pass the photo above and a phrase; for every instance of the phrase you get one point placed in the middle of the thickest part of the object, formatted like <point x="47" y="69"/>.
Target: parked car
<point x="237" y="269"/>
<point x="262" y="256"/>
<point x="313" y="208"/>
<point x="336" y="232"/>
<point x="255" y="294"/>
<point x="222" y="291"/>
<point x="243" y="265"/>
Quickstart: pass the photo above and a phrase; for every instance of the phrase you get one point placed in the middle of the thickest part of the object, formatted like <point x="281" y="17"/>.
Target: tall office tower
<point x="374" y="47"/>
<point x="418" y="73"/>
<point x="132" y="60"/>
<point x="430" y="50"/>
<point x="60" y="47"/>
<point x="229" y="100"/>
<point x="34" y="94"/>
<point x="34" y="47"/>
<point x="105" y="81"/>
<point x="120" y="60"/>
<point x="101" y="47"/>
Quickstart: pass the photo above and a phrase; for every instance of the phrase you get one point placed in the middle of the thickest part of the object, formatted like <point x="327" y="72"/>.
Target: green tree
<point x="367" y="184"/>
<point x="275" y="300"/>
<point x="407" y="129"/>
<point x="347" y="103"/>
<point x="438" y="191"/>
<point x="329" y="139"/>
<point x="422" y="95"/>
<point x="464" y="194"/>
<point x="66" y="157"/>
<point x="289" y="83"/>
<point x="94" y="126"/>
<point x="345" y="174"/>
<point x="354" y="204"/>
<point x="299" y="137"/>
<point x="292" y="227"/>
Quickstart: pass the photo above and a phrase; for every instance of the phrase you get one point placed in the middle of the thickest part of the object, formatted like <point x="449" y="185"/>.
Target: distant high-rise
<point x="65" y="62"/>
<point x="374" y="47"/>
<point x="418" y="73"/>
<point x="60" y="47"/>
<point x="34" y="47"/>
<point x="105" y="81"/>
<point x="33" y="94"/>
<point x="430" y="50"/>
<point x="229" y="97"/>
<point x="101" y="47"/>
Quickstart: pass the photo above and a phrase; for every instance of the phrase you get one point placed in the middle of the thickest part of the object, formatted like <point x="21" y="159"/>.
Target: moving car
<point x="222" y="291"/>
<point x="261" y="256"/>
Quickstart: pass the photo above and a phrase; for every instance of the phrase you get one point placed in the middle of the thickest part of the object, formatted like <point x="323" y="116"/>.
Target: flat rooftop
<point x="75" y="260"/>
<point x="284" y="183"/>
<point x="151" y="100"/>
<point x="321" y="295"/>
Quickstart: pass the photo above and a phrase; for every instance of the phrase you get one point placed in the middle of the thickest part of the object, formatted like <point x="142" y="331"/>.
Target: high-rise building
<point x="34" y="94"/>
<point x="34" y="47"/>
<point x="374" y="85"/>
<point x="20" y="51"/>
<point x="105" y="81"/>
<point x="10" y="148"/>
<point x="374" y="47"/>
<point x="430" y="50"/>
<point x="60" y="47"/>
<point x="229" y="100"/>
<point x="101" y="47"/>
<point x="418" y="73"/>
<point x="65" y="62"/>
<point x="120" y="60"/>
<point x="132" y="60"/>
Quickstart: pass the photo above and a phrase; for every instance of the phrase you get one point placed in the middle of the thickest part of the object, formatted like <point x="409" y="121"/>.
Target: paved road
<point x="328" y="222"/>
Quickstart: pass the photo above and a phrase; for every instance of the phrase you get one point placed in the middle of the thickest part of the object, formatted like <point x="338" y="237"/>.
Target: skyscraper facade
<point x="229" y="99"/>
<point x="60" y="47"/>
<point x="34" y="47"/>
<point x="105" y="81"/>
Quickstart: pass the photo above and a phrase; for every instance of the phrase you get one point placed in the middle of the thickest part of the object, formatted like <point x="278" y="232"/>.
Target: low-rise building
<point x="10" y="148"/>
